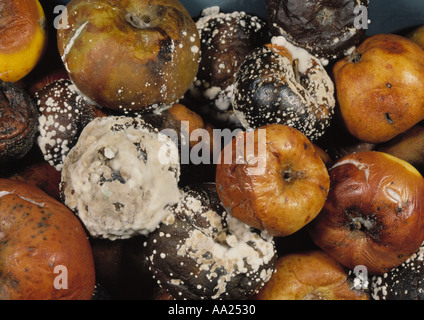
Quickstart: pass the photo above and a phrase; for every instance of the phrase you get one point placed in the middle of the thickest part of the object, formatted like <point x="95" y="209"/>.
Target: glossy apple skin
<point x="374" y="213"/>
<point x="380" y="87"/>
<point x="130" y="54"/>
<point x="288" y="193"/>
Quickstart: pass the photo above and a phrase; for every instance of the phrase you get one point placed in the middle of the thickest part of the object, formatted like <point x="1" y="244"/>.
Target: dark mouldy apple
<point x="225" y="40"/>
<point x="204" y="253"/>
<point x="41" y="174"/>
<point x="63" y="113"/>
<point x="404" y="282"/>
<point x="324" y="28"/>
<point x="284" y="84"/>
<point x="18" y="122"/>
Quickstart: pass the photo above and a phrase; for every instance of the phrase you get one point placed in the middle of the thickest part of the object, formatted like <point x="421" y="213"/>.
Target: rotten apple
<point x="44" y="252"/>
<point x="23" y="39"/>
<point x="272" y="178"/>
<point x="380" y="87"/>
<point x="131" y="54"/>
<point x="373" y="215"/>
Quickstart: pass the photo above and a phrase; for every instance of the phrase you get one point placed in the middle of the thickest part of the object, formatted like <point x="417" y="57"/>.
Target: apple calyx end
<point x="138" y="20"/>
<point x="355" y="57"/>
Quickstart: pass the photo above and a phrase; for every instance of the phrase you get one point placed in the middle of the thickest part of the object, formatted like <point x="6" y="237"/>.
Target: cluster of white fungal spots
<point x="59" y="121"/>
<point x="405" y="282"/>
<point x="166" y="84"/>
<point x="307" y="102"/>
<point x="116" y="180"/>
<point x="159" y="81"/>
<point x="219" y="34"/>
<point x="219" y="253"/>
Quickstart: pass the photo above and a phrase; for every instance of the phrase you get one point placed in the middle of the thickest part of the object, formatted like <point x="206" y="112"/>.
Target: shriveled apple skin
<point x="374" y="213"/>
<point x="289" y="193"/>
<point x="380" y="87"/>
<point x="130" y="54"/>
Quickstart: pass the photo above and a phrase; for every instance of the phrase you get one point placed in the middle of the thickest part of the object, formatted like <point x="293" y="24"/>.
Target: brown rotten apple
<point x="310" y="275"/>
<point x="131" y="54"/>
<point x="380" y="87"/>
<point x="374" y="213"/>
<point x="44" y="251"/>
<point x="273" y="179"/>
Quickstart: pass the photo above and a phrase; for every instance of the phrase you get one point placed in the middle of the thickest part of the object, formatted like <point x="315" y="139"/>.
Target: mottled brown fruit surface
<point x="310" y="275"/>
<point x="373" y="215"/>
<point x="130" y="55"/>
<point x="278" y="188"/>
<point x="380" y="87"/>
<point x="44" y="252"/>
<point x="18" y="122"/>
<point x="325" y="28"/>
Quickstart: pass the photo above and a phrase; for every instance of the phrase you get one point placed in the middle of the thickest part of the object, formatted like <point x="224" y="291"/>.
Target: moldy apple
<point x="131" y="54"/>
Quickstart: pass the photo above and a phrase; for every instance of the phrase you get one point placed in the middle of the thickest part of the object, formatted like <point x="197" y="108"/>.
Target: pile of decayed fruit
<point x="318" y="194"/>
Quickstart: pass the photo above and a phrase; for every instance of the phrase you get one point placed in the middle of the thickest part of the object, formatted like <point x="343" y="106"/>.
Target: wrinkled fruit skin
<point x="373" y="215"/>
<point x="380" y="87"/>
<point x="43" y="244"/>
<point x="283" y="190"/>
<point x="324" y="28"/>
<point x="130" y="55"/>
<point x="18" y="122"/>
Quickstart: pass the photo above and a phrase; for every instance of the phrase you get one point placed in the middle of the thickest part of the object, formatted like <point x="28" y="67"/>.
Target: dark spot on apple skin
<point x="393" y="47"/>
<point x="166" y="46"/>
<point x="388" y="118"/>
<point x="355" y="57"/>
<point x="389" y="66"/>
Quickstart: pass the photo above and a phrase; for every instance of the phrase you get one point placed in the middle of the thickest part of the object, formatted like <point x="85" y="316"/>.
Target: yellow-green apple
<point x="380" y="87"/>
<point x="374" y="213"/>
<point x="130" y="54"/>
